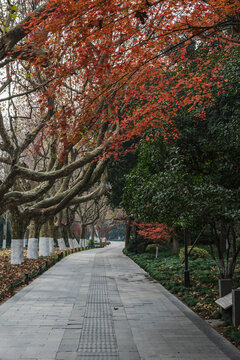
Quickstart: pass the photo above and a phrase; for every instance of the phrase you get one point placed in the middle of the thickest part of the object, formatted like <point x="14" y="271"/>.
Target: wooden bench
<point x="231" y="300"/>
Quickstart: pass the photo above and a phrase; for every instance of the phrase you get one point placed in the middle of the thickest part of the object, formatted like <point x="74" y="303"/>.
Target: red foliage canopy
<point x="156" y="232"/>
<point x="126" y="64"/>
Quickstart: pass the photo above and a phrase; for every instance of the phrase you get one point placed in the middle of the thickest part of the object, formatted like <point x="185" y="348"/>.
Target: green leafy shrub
<point x="141" y="247"/>
<point x="151" y="248"/>
<point x="233" y="333"/>
<point x="136" y="246"/>
<point x="196" y="253"/>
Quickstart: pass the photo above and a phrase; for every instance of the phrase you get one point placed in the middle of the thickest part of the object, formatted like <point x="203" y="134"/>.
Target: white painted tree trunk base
<point x="17" y="255"/>
<point x="4" y="244"/>
<point x="62" y="245"/>
<point x="76" y="245"/>
<point x="32" y="251"/>
<point x="44" y="246"/>
<point x="51" y="246"/>
<point x="71" y="244"/>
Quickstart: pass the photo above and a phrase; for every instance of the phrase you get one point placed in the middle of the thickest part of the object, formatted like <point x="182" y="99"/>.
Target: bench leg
<point x="236" y="307"/>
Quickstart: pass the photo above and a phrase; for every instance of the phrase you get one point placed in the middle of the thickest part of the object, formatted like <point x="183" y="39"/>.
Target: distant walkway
<point x="99" y="305"/>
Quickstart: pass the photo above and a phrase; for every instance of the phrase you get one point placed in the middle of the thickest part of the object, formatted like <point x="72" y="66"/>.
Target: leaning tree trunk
<point x="17" y="242"/>
<point x="51" y="235"/>
<point x="71" y="241"/>
<point x="58" y="232"/>
<point x="72" y="235"/>
<point x="32" y="252"/>
<point x="44" y="249"/>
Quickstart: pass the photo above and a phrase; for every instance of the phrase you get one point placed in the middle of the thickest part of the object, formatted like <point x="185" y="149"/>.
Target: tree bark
<point x="83" y="231"/>
<point x="58" y="232"/>
<point x="223" y="238"/>
<point x="174" y="246"/>
<point x="4" y="244"/>
<point x="17" y="242"/>
<point x="51" y="235"/>
<point x="128" y="231"/>
<point x="32" y="251"/>
<point x="44" y="249"/>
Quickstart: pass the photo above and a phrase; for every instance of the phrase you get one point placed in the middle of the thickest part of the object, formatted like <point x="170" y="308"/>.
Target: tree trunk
<point x="5" y="232"/>
<point x="58" y="233"/>
<point x="51" y="234"/>
<point x="32" y="251"/>
<point x="4" y="243"/>
<point x="60" y="239"/>
<point x="128" y="232"/>
<point x="92" y="233"/>
<point x="73" y="242"/>
<point x="26" y="237"/>
<point x="17" y="242"/>
<point x="51" y="245"/>
<point x="44" y="249"/>
<point x="174" y="246"/>
<point x="83" y="241"/>
<point x="223" y="238"/>
<point x="83" y="231"/>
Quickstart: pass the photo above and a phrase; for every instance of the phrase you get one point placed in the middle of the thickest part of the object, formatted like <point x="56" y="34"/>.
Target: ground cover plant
<point x="200" y="297"/>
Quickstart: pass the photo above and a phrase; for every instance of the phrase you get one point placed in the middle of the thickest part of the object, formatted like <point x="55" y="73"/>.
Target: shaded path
<point x="98" y="304"/>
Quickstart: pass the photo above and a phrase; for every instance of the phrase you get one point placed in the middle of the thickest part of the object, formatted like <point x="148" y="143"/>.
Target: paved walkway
<point x="98" y="304"/>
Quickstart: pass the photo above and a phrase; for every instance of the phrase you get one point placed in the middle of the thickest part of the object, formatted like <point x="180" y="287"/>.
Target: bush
<point x="136" y="247"/>
<point x="196" y="253"/>
<point x="233" y="333"/>
<point x="141" y="247"/>
<point x="151" y="248"/>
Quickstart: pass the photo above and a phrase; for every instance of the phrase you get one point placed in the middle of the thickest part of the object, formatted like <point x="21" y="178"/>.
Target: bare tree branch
<point x="7" y="143"/>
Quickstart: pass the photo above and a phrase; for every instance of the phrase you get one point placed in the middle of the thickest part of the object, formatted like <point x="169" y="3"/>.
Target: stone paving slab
<point x="98" y="304"/>
<point x="162" y="327"/>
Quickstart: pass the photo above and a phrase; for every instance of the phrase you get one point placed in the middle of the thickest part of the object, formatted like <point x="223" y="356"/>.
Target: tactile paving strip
<point x="98" y="340"/>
